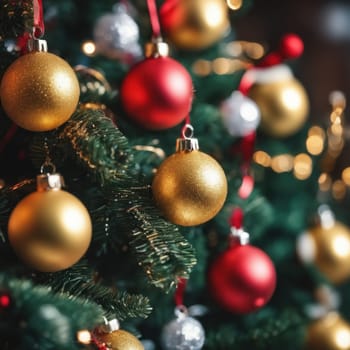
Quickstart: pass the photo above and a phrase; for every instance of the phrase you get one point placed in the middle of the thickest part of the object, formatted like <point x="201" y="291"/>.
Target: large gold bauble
<point x="50" y="230"/>
<point x="331" y="250"/>
<point x="330" y="332"/>
<point x="120" y="340"/>
<point x="194" y="24"/>
<point x="284" y="106"/>
<point x="189" y="188"/>
<point x="39" y="91"/>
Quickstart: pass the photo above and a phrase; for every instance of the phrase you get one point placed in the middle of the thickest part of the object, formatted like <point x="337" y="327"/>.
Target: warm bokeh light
<point x="316" y="130"/>
<point x="221" y="66"/>
<point x="202" y="67"/>
<point x="315" y="144"/>
<point x="262" y="158"/>
<point x="282" y="163"/>
<point x="84" y="337"/>
<point x="338" y="189"/>
<point x="89" y="48"/>
<point x="302" y="166"/>
<point x="324" y="182"/>
<point x="234" y="4"/>
<point x="346" y="176"/>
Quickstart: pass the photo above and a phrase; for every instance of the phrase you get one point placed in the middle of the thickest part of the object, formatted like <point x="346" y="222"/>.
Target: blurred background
<point x="324" y="26"/>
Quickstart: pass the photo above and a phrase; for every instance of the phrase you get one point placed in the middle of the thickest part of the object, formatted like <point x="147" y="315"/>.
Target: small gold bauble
<point x="330" y="332"/>
<point x="39" y="91"/>
<point x="332" y="250"/>
<point x="120" y="340"/>
<point x="189" y="188"/>
<point x="194" y="24"/>
<point x="284" y="106"/>
<point x="50" y="230"/>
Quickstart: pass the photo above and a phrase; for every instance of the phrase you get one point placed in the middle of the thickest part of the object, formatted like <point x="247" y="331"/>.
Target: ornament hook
<point x="187" y="131"/>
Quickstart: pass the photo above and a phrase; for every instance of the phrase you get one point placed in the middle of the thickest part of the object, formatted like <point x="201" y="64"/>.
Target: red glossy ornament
<point x="157" y="93"/>
<point x="242" y="279"/>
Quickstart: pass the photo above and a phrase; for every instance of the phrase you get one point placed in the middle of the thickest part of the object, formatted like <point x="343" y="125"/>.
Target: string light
<point x="302" y="164"/>
<point x="89" y="48"/>
<point x="241" y="54"/>
<point x="84" y="337"/>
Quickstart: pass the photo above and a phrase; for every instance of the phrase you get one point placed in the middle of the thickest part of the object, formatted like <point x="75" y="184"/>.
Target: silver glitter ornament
<point x="240" y="114"/>
<point x="182" y="333"/>
<point x="116" y="35"/>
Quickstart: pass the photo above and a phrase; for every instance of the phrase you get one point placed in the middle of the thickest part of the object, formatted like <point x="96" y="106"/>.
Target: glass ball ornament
<point x="281" y="98"/>
<point x="183" y="332"/>
<point x="157" y="92"/>
<point x="194" y="24"/>
<point x="189" y="187"/>
<point x="329" y="332"/>
<point x="240" y="114"/>
<point x="327" y="245"/>
<point x="50" y="229"/>
<point x="243" y="278"/>
<point x="116" y="34"/>
<point x="39" y="91"/>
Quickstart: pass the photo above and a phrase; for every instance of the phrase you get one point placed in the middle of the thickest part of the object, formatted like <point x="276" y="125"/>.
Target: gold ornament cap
<point x="156" y="48"/>
<point x="187" y="143"/>
<point x="49" y="182"/>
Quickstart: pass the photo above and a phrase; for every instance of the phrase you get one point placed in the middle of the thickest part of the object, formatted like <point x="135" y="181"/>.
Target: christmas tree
<point x="163" y="185"/>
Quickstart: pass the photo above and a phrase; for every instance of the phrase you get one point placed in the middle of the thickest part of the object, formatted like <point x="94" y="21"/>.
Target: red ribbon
<point x="245" y="148"/>
<point x="38" y="26"/>
<point x="236" y="219"/>
<point x="38" y="10"/>
<point x="180" y="292"/>
<point x="153" y="14"/>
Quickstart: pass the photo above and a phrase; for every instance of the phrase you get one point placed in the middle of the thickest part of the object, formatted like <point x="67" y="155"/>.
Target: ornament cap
<point x="109" y="326"/>
<point x="48" y="182"/>
<point x="187" y="145"/>
<point x="239" y="236"/>
<point x="156" y="48"/>
<point x="37" y="45"/>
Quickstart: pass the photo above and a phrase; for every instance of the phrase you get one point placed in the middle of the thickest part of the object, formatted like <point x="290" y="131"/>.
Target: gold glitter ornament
<point x="327" y="246"/>
<point x="282" y="101"/>
<point x="330" y="332"/>
<point x="120" y="340"/>
<point x="189" y="187"/>
<point x="115" y="338"/>
<point x="39" y="91"/>
<point x="194" y="24"/>
<point x="50" y="229"/>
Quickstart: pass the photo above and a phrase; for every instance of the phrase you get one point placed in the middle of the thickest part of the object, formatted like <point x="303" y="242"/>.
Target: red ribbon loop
<point x="153" y="14"/>
<point x="39" y="27"/>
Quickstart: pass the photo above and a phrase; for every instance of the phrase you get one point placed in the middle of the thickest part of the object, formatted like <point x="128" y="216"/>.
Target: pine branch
<point x="268" y="332"/>
<point x="105" y="157"/>
<point x="79" y="281"/>
<point x="16" y="17"/>
<point x="39" y="319"/>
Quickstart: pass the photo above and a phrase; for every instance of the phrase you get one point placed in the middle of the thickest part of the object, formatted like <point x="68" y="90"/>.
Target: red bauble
<point x="242" y="279"/>
<point x="157" y="93"/>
